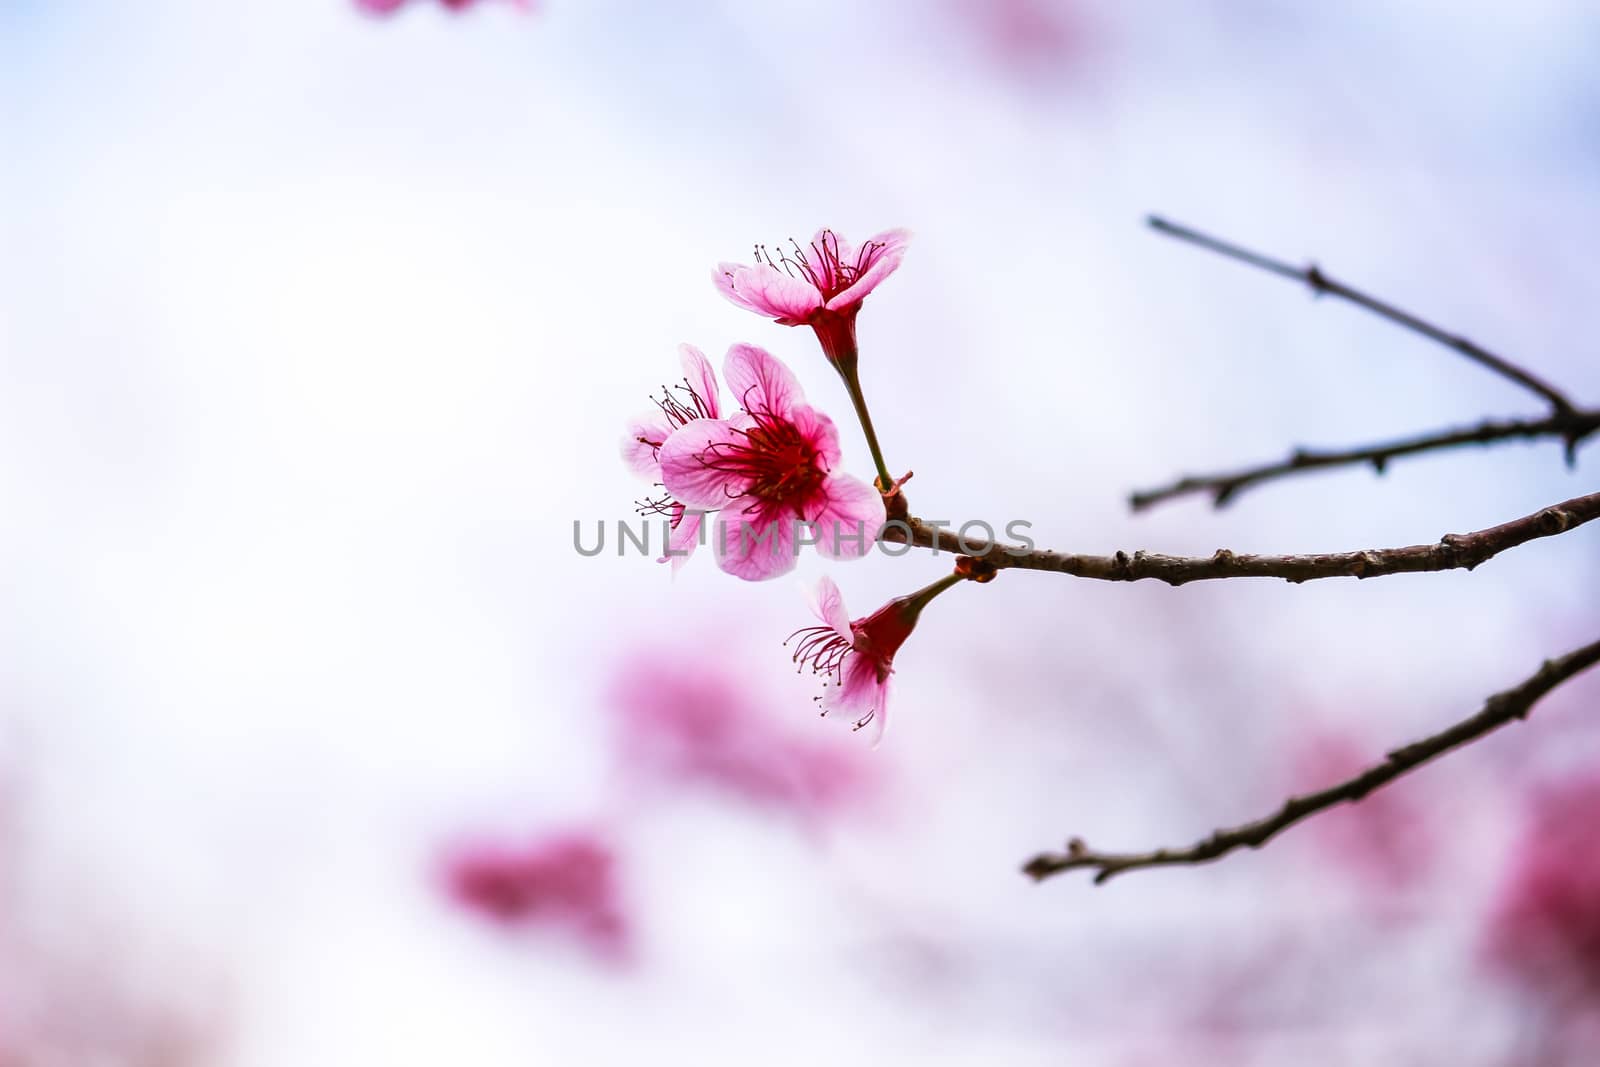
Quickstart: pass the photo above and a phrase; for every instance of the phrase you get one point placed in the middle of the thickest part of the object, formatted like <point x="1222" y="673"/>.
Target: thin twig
<point x="1573" y="428"/>
<point x="1500" y="709"/>
<point x="1321" y="283"/>
<point x="1448" y="553"/>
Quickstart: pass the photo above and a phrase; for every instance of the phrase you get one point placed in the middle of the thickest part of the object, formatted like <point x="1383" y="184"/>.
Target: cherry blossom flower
<point x="856" y="657"/>
<point x="769" y="469"/>
<point x="566" y="880"/>
<point x="821" y="285"/>
<point x="688" y="718"/>
<point x="696" y="397"/>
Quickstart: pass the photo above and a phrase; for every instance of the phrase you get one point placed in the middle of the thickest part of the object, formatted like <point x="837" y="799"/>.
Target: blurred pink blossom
<point x="769" y="469"/>
<point x="1545" y="927"/>
<point x="565" y="880"/>
<point x="821" y="285"/>
<point x="1036" y="37"/>
<point x="698" y="397"/>
<point x="693" y="720"/>
<point x="1382" y="840"/>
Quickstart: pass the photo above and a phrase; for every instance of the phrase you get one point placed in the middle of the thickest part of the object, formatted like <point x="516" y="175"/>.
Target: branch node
<point x="1554" y="520"/>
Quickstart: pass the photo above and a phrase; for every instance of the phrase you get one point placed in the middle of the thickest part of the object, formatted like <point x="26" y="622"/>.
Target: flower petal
<point x="760" y="382"/>
<point x="723" y="278"/>
<point x="644" y="438"/>
<point x="753" y="549"/>
<point x="818" y="431"/>
<point x="685" y="535"/>
<point x="859" y="694"/>
<point x="688" y="467"/>
<point x="850" y="520"/>
<point x="768" y="291"/>
<point x="701" y="378"/>
<point x="886" y="250"/>
<point x="828" y="603"/>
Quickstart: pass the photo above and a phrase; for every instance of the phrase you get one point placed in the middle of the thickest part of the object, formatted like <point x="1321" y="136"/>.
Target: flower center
<point x="821" y="263"/>
<point x="778" y="465"/>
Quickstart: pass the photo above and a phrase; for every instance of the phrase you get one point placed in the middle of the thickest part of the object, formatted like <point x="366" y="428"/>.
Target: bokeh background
<point x="319" y="743"/>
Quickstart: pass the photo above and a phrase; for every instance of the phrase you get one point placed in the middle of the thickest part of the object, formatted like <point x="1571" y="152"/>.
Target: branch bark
<point x="1573" y="428"/>
<point x="1449" y="553"/>
<point x="1502" y="708"/>
<point x="1320" y="283"/>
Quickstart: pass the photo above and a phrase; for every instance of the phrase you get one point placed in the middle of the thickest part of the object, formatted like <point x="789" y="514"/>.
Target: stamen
<point x="821" y="647"/>
<point x="680" y="410"/>
<point x="658" y="505"/>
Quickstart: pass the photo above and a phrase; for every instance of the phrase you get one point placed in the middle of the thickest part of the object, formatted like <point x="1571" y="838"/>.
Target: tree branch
<point x="1498" y="710"/>
<point x="1320" y="283"/>
<point x="1571" y="427"/>
<point x="1448" y="553"/>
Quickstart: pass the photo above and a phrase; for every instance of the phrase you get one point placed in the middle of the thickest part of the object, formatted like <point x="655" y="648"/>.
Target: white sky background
<point x="319" y="331"/>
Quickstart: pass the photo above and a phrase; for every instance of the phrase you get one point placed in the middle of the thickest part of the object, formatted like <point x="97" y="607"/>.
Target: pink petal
<point x="639" y="455"/>
<point x="760" y="383"/>
<point x="723" y="278"/>
<point x="768" y="291"/>
<point x="884" y="261"/>
<point x="688" y="472"/>
<point x="684" y="537"/>
<point x="698" y="373"/>
<point x="853" y="508"/>
<point x="751" y="549"/>
<point x="819" y="432"/>
<point x="828" y="603"/>
<point x="859" y="694"/>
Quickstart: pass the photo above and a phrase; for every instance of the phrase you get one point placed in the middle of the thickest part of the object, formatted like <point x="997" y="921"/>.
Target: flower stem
<point x="920" y="599"/>
<point x="852" y="384"/>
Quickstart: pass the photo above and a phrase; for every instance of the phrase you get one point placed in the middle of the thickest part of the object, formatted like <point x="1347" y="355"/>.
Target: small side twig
<point x="1449" y="553"/>
<point x="1320" y="283"/>
<point x="1502" y="708"/>
<point x="1573" y="428"/>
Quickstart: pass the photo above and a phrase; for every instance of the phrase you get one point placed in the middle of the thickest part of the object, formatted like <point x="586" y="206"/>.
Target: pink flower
<point x="1545" y="930"/>
<point x="566" y="880"/>
<point x="856" y="658"/>
<point x="688" y="719"/>
<point x="695" y="398"/>
<point x="821" y="285"/>
<point x="769" y="470"/>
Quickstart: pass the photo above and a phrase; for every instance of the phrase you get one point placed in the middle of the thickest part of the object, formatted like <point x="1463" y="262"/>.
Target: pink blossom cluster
<point x="761" y="474"/>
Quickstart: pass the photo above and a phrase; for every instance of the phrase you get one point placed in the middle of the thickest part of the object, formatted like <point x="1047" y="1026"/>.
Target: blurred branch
<point x="1572" y="427"/>
<point x="1320" y="283"/>
<point x="1450" y="552"/>
<point x="1498" y="710"/>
